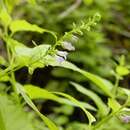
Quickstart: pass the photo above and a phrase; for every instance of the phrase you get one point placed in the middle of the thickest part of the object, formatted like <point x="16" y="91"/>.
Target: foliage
<point x="30" y="41"/>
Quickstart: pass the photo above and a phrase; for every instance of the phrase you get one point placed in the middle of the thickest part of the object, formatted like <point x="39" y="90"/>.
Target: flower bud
<point x="59" y="59"/>
<point x="68" y="46"/>
<point x="74" y="38"/>
<point x="62" y="54"/>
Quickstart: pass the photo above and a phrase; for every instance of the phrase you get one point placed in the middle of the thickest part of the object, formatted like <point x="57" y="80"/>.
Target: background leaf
<point x="76" y="102"/>
<point x="12" y="116"/>
<point x="102" y="108"/>
<point x="46" y="120"/>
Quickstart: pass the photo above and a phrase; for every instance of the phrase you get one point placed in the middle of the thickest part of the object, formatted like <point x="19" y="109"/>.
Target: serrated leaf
<point x="30" y="57"/>
<point x="103" y="110"/>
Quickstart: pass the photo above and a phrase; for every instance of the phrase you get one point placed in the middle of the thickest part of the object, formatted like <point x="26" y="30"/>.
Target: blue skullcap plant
<point x="19" y="55"/>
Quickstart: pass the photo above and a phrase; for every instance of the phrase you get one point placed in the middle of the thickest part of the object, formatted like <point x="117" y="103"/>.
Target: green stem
<point x="114" y="90"/>
<point x="105" y="119"/>
<point x="10" y="60"/>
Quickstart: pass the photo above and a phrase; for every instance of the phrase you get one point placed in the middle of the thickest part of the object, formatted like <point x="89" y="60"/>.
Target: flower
<point x="62" y="54"/>
<point x="68" y="46"/>
<point x="125" y="118"/>
<point x="59" y="59"/>
<point x="74" y="38"/>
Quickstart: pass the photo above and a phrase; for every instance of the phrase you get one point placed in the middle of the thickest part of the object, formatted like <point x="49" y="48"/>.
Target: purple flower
<point x="125" y="118"/>
<point x="59" y="59"/>
<point x="68" y="46"/>
<point x="62" y="54"/>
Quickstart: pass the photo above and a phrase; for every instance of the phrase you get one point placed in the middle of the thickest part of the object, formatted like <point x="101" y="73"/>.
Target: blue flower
<point x="74" y="38"/>
<point x="125" y="118"/>
<point x="59" y="59"/>
<point x="68" y="46"/>
<point x="62" y="54"/>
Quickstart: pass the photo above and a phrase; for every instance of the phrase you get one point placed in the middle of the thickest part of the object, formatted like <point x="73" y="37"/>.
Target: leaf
<point x="30" y="57"/>
<point x="5" y="17"/>
<point x="101" y="83"/>
<point x="122" y="70"/>
<point x="12" y="116"/>
<point x="4" y="78"/>
<point x="23" y="25"/>
<point x="113" y="104"/>
<point x="35" y="92"/>
<point x="47" y="121"/>
<point x="65" y="109"/>
<point x="3" y="61"/>
<point x="103" y="110"/>
<point x="77" y="103"/>
<point x="122" y="60"/>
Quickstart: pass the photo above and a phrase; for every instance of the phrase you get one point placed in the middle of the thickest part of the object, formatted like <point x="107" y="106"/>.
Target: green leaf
<point x="103" y="110"/>
<point x="77" y="103"/>
<point x="30" y="57"/>
<point x="35" y="92"/>
<point x="5" y="17"/>
<point x="122" y="60"/>
<point x="113" y="104"/>
<point x="23" y="25"/>
<point x="122" y="70"/>
<point x="12" y="116"/>
<point x="4" y="78"/>
<point x="47" y="121"/>
<point x="101" y="83"/>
